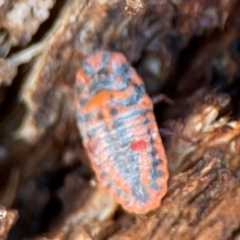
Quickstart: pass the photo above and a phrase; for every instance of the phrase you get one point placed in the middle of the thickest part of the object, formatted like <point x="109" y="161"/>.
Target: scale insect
<point x="119" y="131"/>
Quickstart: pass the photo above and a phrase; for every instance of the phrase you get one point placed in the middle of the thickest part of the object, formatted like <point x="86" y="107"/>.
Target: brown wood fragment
<point x="207" y="129"/>
<point x="199" y="204"/>
<point x="133" y="7"/>
<point x="23" y="18"/>
<point x="7" y="219"/>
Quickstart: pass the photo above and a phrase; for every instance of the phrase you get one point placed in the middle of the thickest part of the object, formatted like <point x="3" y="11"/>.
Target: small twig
<point x="26" y="55"/>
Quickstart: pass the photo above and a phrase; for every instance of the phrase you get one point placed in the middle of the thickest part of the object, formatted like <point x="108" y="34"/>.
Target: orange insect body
<point x="116" y="121"/>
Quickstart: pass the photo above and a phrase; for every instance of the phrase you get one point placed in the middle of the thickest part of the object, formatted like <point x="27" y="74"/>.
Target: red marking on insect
<point x="139" y="145"/>
<point x="119" y="131"/>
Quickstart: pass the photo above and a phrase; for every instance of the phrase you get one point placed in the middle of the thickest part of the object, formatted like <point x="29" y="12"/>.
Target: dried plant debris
<point x="209" y="126"/>
<point x="133" y="7"/>
<point x="7" y="72"/>
<point x="5" y="42"/>
<point x="207" y="57"/>
<point x="8" y="66"/>
<point x="23" y="18"/>
<point x="91" y="217"/>
<point x="202" y="13"/>
<point x="202" y="203"/>
<point x="7" y="219"/>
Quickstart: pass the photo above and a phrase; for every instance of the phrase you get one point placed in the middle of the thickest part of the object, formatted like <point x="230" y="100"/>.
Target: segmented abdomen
<point x="116" y="121"/>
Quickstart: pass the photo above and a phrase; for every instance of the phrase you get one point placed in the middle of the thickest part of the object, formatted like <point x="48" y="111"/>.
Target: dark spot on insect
<point x="155" y="174"/>
<point x="92" y="133"/>
<point x="139" y="88"/>
<point x="136" y="97"/>
<point x="103" y="72"/>
<point x="118" y="191"/>
<point x="154" y="185"/>
<point x="84" y="118"/>
<point x="103" y="175"/>
<point x="83" y="101"/>
<point x="154" y="152"/>
<point x="155" y="163"/>
<point x="113" y="111"/>
<point x="132" y="100"/>
<point x="88" y="69"/>
<point x="123" y="71"/>
<point x="119" y="123"/>
<point x="140" y="193"/>
<point x="145" y="121"/>
<point x="151" y="139"/>
<point x="100" y="116"/>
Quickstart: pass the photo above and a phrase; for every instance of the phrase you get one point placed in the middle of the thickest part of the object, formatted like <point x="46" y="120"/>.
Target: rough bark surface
<point x="188" y="50"/>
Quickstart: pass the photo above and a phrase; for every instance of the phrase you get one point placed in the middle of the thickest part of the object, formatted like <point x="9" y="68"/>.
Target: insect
<point x="119" y="131"/>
